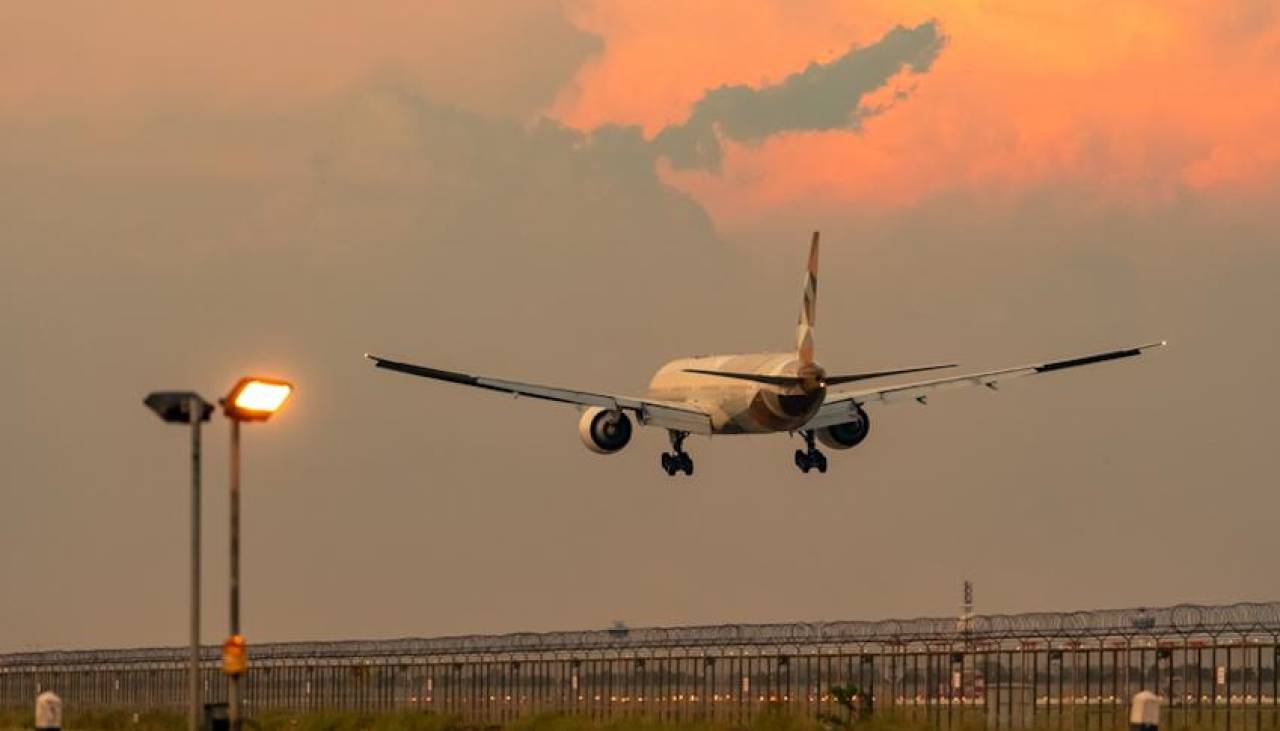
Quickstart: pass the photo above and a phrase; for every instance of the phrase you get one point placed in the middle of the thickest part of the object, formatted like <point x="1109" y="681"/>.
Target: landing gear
<point x="810" y="457"/>
<point x="677" y="460"/>
<point x="673" y="463"/>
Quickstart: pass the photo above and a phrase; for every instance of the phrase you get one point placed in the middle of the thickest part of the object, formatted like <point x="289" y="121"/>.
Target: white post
<point x="1144" y="714"/>
<point x="48" y="712"/>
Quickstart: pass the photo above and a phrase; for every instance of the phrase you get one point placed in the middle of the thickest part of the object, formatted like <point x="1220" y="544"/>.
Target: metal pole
<point x="233" y="685"/>
<point x="196" y="406"/>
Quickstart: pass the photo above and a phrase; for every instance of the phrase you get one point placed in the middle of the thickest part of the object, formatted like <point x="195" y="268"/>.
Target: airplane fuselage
<point x="736" y="406"/>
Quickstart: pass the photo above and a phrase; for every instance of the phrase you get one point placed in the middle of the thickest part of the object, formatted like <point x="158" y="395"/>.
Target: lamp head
<point x="256" y="399"/>
<point x="174" y="407"/>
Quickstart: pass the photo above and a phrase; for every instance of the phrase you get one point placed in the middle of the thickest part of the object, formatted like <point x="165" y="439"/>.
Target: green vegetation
<point x="17" y="720"/>
<point x="419" y="721"/>
<point x="102" y="720"/>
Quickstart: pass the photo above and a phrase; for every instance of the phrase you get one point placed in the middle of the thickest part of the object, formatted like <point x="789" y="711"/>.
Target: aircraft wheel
<point x="686" y="463"/>
<point x="820" y="461"/>
<point x="669" y="464"/>
<point x="802" y="461"/>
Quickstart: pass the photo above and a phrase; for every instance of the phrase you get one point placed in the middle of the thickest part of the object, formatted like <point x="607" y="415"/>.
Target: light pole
<point x="251" y="399"/>
<point x="186" y="407"/>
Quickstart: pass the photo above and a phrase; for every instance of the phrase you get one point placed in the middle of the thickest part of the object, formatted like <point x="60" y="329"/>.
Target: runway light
<point x="256" y="399"/>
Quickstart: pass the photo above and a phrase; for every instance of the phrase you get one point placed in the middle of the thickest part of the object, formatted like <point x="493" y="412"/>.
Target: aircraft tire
<point x="820" y="460"/>
<point x="686" y="463"/>
<point x="668" y="464"/>
<point x="802" y="461"/>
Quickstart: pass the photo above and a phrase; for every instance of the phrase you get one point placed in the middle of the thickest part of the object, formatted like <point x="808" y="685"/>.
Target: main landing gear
<point x="810" y="457"/>
<point x="677" y="460"/>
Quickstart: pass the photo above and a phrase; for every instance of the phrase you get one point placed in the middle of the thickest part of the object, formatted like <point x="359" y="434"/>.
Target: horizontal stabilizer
<point x="837" y="380"/>
<point x="826" y="381"/>
<point x="756" y="377"/>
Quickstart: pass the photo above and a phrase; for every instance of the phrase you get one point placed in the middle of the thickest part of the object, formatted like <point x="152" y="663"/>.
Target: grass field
<point x="20" y="720"/>
<point x="15" y="720"/>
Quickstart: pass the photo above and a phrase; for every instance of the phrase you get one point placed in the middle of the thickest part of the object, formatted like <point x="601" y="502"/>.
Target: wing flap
<point x="670" y="417"/>
<point x="833" y="412"/>
<point x="913" y="391"/>
<point x="550" y="393"/>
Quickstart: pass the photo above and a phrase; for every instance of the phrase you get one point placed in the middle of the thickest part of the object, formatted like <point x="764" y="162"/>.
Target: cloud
<point x="823" y="96"/>
<point x="496" y="57"/>
<point x="1130" y="102"/>
<point x="434" y="181"/>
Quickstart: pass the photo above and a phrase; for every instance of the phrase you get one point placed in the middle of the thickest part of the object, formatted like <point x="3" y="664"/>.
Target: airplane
<point x="761" y="393"/>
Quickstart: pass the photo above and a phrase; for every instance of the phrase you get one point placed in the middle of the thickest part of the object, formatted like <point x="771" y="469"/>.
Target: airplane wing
<point x="840" y="407"/>
<point x="648" y="412"/>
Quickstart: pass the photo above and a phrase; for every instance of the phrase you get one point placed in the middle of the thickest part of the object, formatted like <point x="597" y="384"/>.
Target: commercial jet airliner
<point x="762" y="393"/>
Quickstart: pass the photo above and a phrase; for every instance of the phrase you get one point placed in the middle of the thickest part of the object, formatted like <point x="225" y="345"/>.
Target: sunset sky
<point x="575" y="192"/>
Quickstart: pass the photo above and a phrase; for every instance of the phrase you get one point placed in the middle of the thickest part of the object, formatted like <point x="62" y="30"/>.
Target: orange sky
<point x="1132" y="100"/>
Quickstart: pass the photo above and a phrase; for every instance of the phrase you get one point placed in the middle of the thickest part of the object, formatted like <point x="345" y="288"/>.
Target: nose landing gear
<point x="810" y="457"/>
<point x="677" y="460"/>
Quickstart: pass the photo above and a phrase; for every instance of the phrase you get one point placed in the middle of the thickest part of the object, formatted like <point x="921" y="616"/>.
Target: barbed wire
<point x="1181" y="621"/>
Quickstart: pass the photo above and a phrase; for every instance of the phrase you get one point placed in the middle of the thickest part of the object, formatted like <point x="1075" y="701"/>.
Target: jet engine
<point x="847" y="435"/>
<point x="604" y="431"/>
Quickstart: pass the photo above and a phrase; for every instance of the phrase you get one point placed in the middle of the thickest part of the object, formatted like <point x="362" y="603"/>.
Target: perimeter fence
<point x="1215" y="665"/>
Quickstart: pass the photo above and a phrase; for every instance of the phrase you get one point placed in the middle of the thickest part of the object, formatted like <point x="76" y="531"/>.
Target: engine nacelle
<point x="847" y="435"/>
<point x="604" y="431"/>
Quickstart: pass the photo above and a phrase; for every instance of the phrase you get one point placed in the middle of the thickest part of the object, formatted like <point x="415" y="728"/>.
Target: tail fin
<point x="804" y="331"/>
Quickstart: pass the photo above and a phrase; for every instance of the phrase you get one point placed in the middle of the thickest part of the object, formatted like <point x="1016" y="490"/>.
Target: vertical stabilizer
<point x="804" y="331"/>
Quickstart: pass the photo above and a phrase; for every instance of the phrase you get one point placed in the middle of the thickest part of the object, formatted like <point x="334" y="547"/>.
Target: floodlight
<point x="256" y="399"/>
<point x="174" y="407"/>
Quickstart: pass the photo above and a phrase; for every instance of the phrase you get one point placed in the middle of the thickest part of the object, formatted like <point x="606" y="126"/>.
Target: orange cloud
<point x="1133" y="100"/>
<point x="660" y="57"/>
